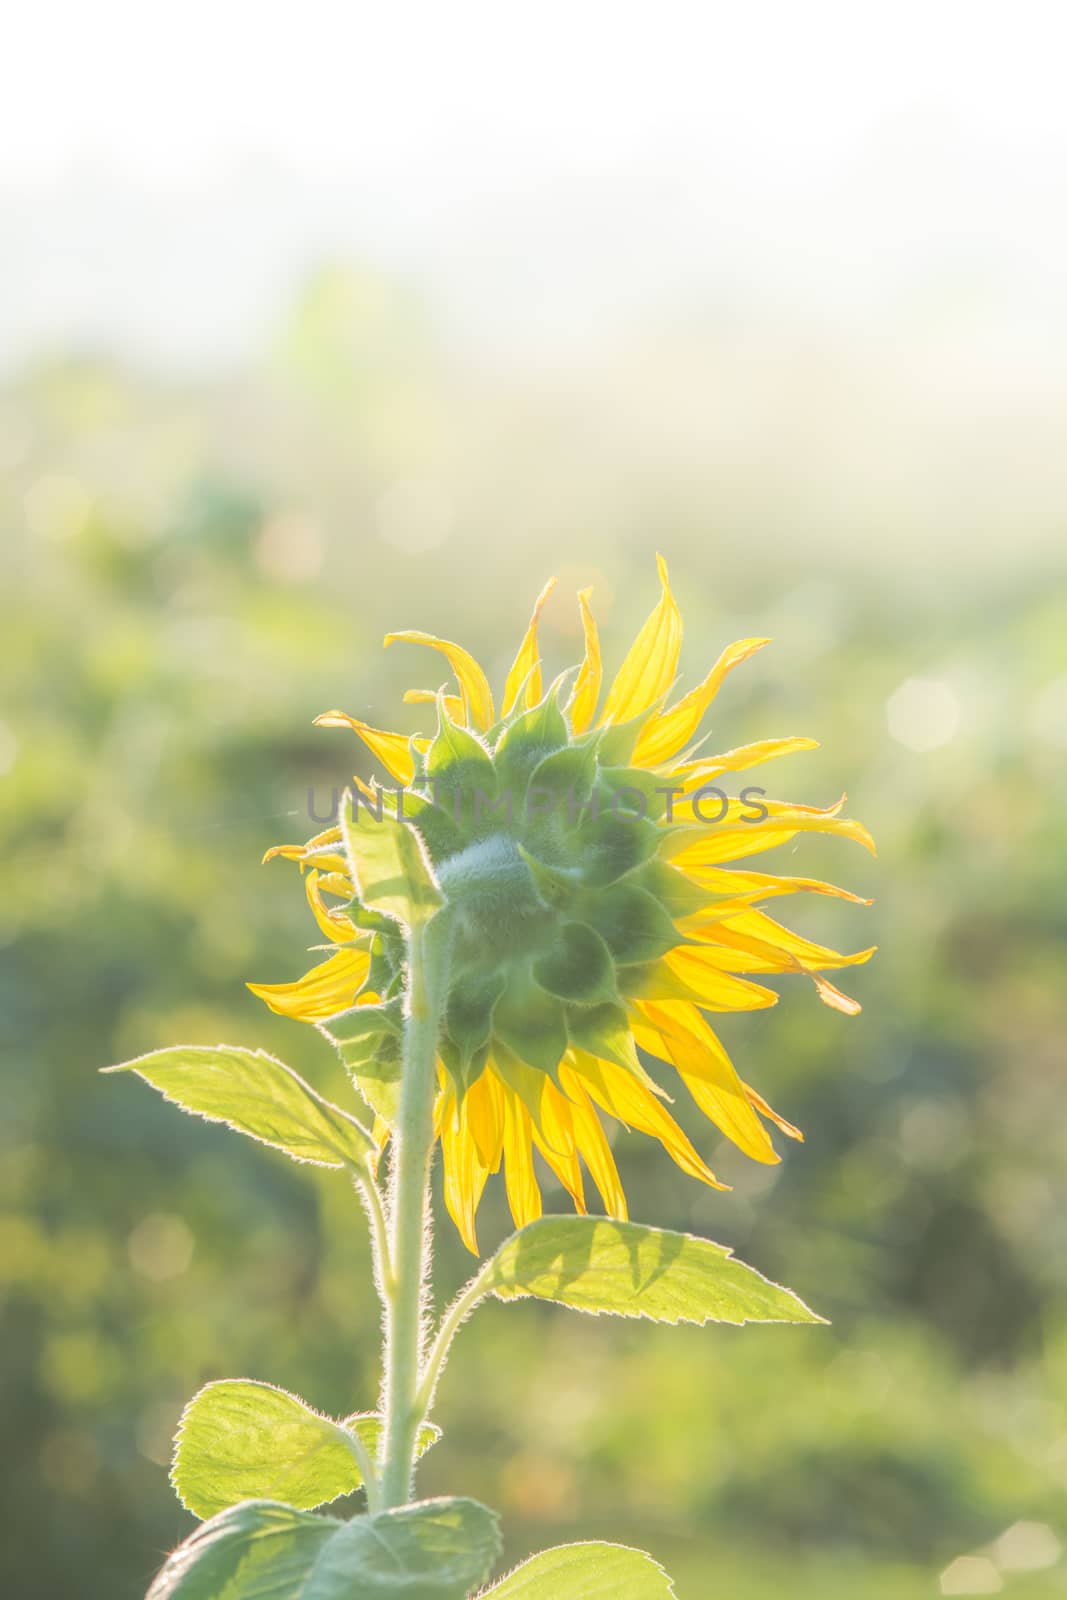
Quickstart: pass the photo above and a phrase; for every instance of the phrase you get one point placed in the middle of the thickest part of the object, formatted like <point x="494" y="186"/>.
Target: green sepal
<point x="611" y="846"/>
<point x="381" y="971"/>
<point x="363" y="917"/>
<point x="679" y="894"/>
<point x="559" y="887"/>
<point x="579" y="968"/>
<point x="654" y="980"/>
<point x="613" y="780"/>
<point x="615" y="744"/>
<point x="438" y="828"/>
<point x="633" y="923"/>
<point x="469" y="1017"/>
<point x="570" y="775"/>
<point x="531" y="1024"/>
<point x="361" y="1026"/>
<point x="523" y="1080"/>
<point x="464" y="1070"/>
<point x="459" y="769"/>
<point x="523" y="746"/>
<point x="369" y="1040"/>
<point x="604" y="1031"/>
<point x="571" y="771"/>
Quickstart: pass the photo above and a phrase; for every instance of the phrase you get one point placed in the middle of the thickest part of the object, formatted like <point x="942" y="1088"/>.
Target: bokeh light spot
<point x="1027" y="1547"/>
<point x="160" y="1247"/>
<point x="971" y="1575"/>
<point x="923" y="714"/>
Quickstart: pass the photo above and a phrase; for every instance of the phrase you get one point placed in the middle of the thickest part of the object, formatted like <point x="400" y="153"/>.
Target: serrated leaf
<point x="258" y="1095"/>
<point x="590" y="1571"/>
<point x="594" y="1264"/>
<point x="262" y="1550"/>
<point x="243" y="1440"/>
<point x="390" y="867"/>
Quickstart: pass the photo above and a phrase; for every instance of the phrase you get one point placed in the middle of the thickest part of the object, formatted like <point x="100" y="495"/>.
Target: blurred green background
<point x="193" y="568"/>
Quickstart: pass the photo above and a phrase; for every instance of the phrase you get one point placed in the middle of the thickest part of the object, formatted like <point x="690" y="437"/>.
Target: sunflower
<point x="589" y="867"/>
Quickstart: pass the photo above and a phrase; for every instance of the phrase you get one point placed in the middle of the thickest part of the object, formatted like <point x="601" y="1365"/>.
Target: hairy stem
<point x="451" y="1322"/>
<point x="409" y="1220"/>
<point x="370" y="1194"/>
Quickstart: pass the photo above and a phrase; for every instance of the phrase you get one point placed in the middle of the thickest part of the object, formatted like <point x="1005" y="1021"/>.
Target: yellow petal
<point x="334" y="924"/>
<point x="301" y="852"/>
<point x="587" y="686"/>
<point x="453" y="704"/>
<point x="833" y="997"/>
<point x="649" y="668"/>
<point x="520" y="1181"/>
<point x="755" y="933"/>
<point x="595" y="1150"/>
<point x="758" y="1102"/>
<point x="483" y="1105"/>
<point x="717" y="988"/>
<point x="391" y="749"/>
<point x="732" y="881"/>
<point x="694" y="773"/>
<point x="668" y="732"/>
<point x="620" y="1094"/>
<point x="557" y="1144"/>
<point x="526" y="668"/>
<point x="709" y="1075"/>
<point x="323" y="992"/>
<point x="741" y="832"/>
<point x="464" y="1171"/>
<point x="477" y="696"/>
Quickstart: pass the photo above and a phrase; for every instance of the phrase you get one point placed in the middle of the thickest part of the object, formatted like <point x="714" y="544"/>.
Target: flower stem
<point x="409" y="1220"/>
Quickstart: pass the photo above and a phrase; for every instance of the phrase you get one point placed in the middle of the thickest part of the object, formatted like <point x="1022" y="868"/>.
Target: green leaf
<point x="594" y="1264"/>
<point x="253" y="1092"/>
<point x="369" y="1040"/>
<point x="261" y="1550"/>
<point x="390" y="867"/>
<point x="585" y="1572"/>
<point x="242" y="1440"/>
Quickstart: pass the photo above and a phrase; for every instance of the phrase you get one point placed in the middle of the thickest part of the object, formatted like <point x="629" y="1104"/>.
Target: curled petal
<point x="666" y="734"/>
<point x="330" y="987"/>
<point x="474" y="687"/>
<point x="334" y="924"/>
<point x="391" y="749"/>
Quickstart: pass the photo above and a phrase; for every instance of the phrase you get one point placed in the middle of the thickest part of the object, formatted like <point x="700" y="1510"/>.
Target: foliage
<point x="161" y="658"/>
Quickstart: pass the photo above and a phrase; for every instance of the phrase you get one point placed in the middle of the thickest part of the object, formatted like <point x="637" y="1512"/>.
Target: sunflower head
<point x="590" y="903"/>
